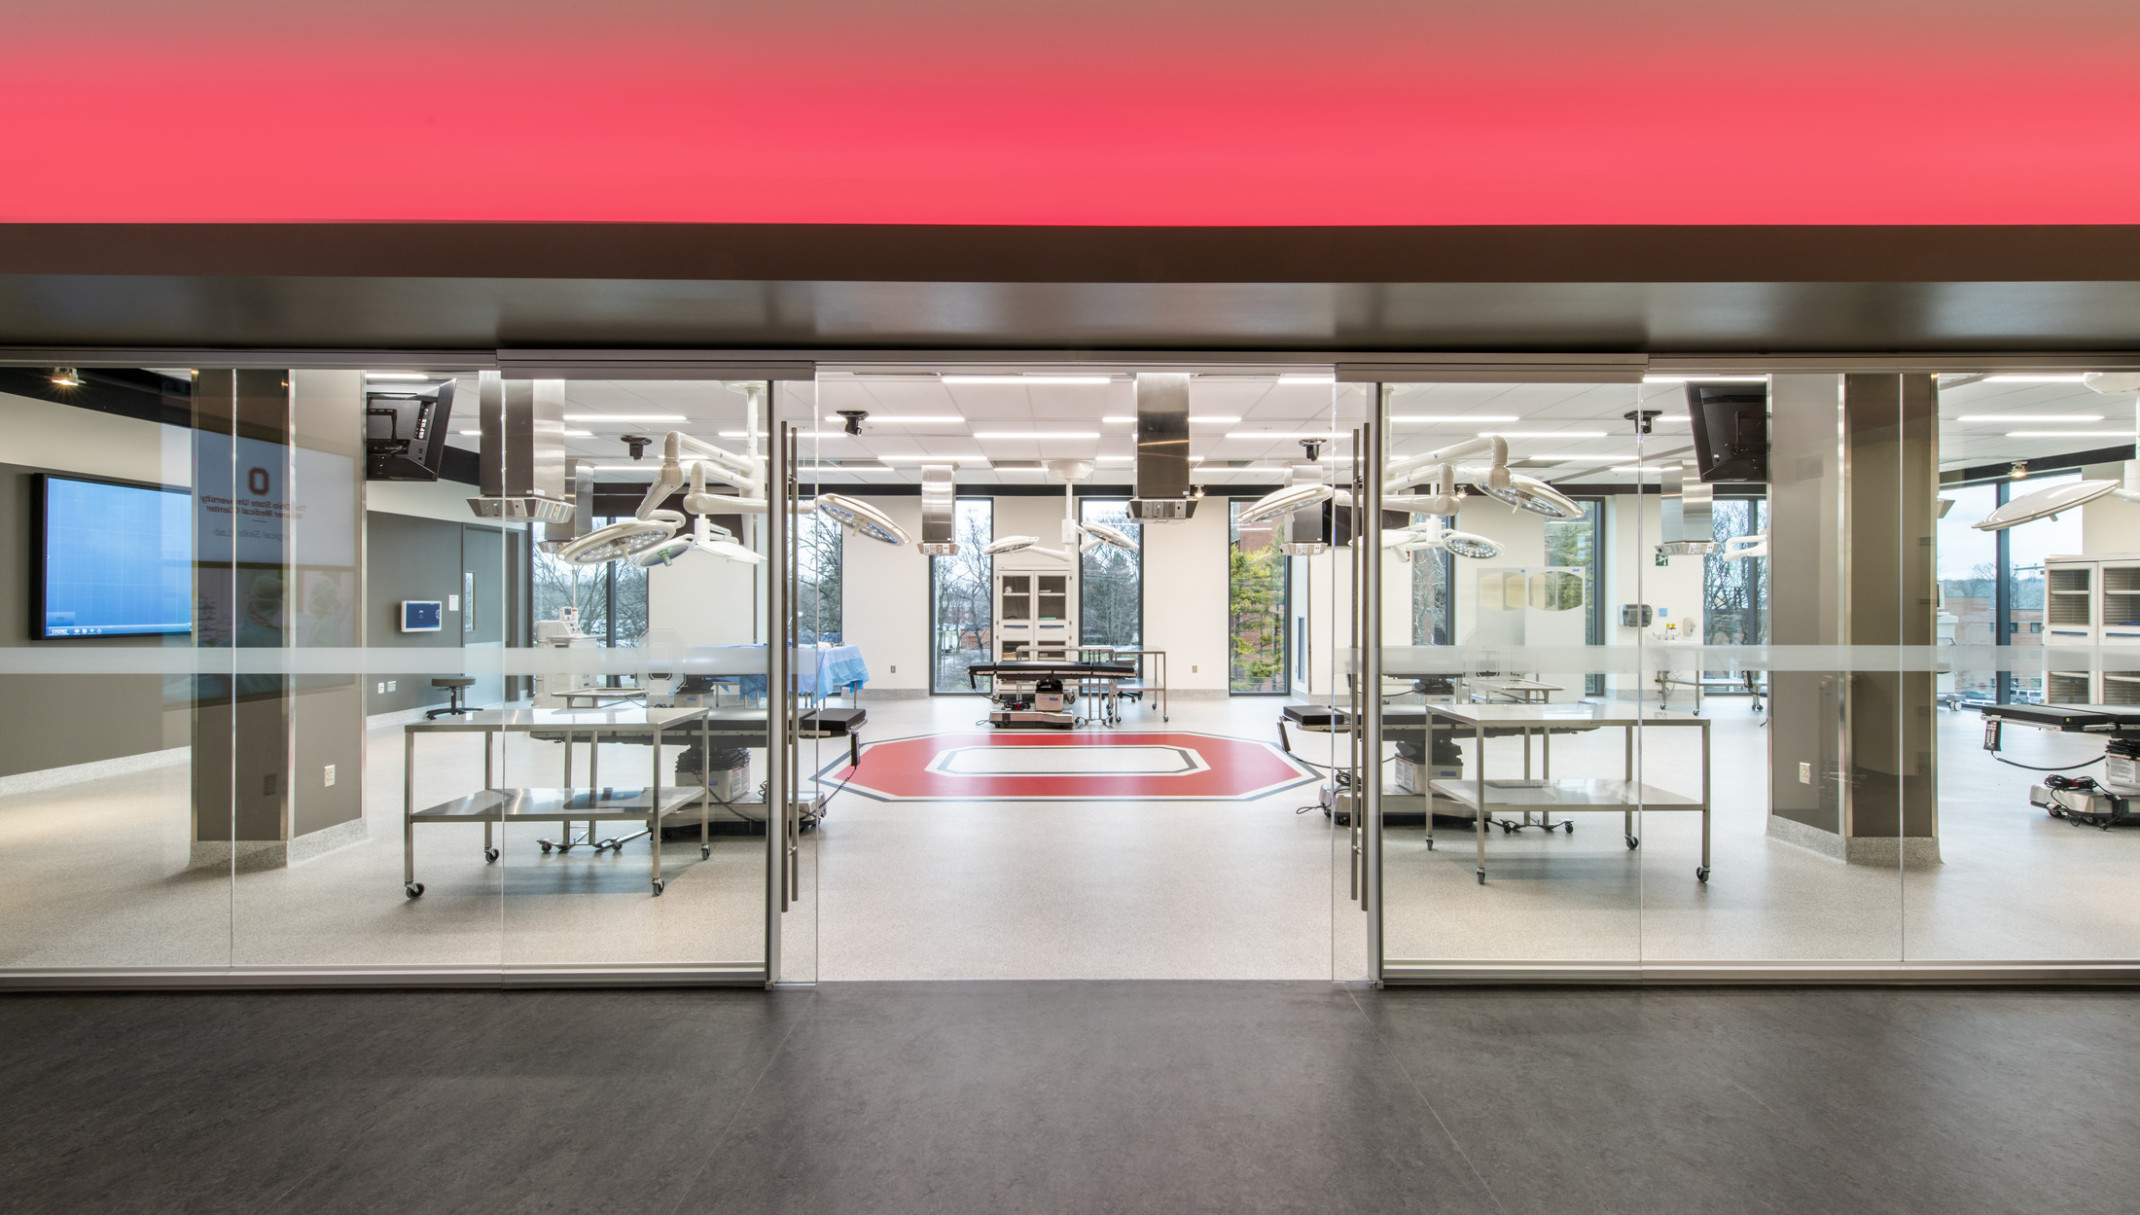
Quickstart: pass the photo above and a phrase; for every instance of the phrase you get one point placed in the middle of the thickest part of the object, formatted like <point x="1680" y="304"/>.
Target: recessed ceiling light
<point x="1278" y="435"/>
<point x="1645" y="468"/>
<point x="1117" y="459"/>
<point x="1036" y="434"/>
<point x="746" y="434"/>
<point x="1543" y="434"/>
<point x="1118" y="419"/>
<point x="473" y="434"/>
<point x="572" y="434"/>
<point x="2030" y="417"/>
<point x="2035" y="379"/>
<point x="971" y="459"/>
<point x="1307" y="377"/>
<point x="397" y="375"/>
<point x="624" y="417"/>
<point x="1580" y="459"/>
<point x="2069" y="434"/>
<point x="1027" y="379"/>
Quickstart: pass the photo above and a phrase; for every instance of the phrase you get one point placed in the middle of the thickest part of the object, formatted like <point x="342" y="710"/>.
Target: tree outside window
<point x="1110" y="585"/>
<point x="1258" y="604"/>
<point x="962" y="599"/>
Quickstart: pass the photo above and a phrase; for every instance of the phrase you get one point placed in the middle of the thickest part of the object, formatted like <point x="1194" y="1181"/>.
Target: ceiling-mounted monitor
<point x="1730" y="430"/>
<point x="405" y="433"/>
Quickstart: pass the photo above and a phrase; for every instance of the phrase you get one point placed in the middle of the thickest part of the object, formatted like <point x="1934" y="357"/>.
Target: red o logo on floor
<point x="1073" y="765"/>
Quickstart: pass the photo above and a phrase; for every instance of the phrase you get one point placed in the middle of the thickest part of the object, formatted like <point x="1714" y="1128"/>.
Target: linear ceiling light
<point x="877" y="419"/>
<point x="398" y="375"/>
<point x="1431" y="419"/>
<point x="2030" y="417"/>
<point x="1036" y="434"/>
<point x="1543" y="434"/>
<point x="624" y="417"/>
<point x="1027" y="379"/>
<point x="2069" y="434"/>
<point x="1705" y="379"/>
<point x="1280" y="435"/>
<point x="1643" y="468"/>
<point x="969" y="459"/>
<point x="1307" y="377"/>
<point x="572" y="434"/>
<point x="2036" y="379"/>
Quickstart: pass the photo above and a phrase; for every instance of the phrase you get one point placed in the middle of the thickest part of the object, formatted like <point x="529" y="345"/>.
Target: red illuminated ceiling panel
<point x="1343" y="112"/>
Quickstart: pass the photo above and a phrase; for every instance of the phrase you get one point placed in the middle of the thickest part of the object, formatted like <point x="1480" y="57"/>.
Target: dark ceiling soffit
<point x="1020" y="254"/>
<point x="801" y="364"/>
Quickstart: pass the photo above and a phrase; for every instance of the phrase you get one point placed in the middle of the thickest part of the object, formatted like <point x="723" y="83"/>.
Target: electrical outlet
<point x="330" y="776"/>
<point x="895" y="668"/>
<point x="1805" y="774"/>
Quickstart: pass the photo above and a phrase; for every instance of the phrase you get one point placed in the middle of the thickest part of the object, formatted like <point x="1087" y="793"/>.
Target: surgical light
<point x="1535" y="496"/>
<point x="864" y="519"/>
<point x="66" y="377"/>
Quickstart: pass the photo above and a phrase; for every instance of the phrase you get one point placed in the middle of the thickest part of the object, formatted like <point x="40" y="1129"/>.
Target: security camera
<point x="854" y="419"/>
<point x="1314" y="448"/>
<point x="636" y="444"/>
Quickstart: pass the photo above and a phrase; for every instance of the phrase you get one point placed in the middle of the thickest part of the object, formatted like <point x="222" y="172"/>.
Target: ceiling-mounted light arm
<point x="2055" y="500"/>
<point x="1020" y="544"/>
<point x="1444" y="501"/>
<point x="1497" y="472"/>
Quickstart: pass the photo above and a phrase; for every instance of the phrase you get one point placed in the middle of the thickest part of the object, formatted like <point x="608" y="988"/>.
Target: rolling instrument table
<point x="591" y="804"/>
<point x="1626" y="795"/>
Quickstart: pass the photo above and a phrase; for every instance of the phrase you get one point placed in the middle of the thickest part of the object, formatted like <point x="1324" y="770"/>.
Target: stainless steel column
<point x="1367" y="536"/>
<point x="780" y="493"/>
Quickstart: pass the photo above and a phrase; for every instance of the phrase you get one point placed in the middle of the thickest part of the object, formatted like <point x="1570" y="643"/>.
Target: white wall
<point x="2109" y="526"/>
<point x="41" y="434"/>
<point x="1185" y="582"/>
<point x="885" y="602"/>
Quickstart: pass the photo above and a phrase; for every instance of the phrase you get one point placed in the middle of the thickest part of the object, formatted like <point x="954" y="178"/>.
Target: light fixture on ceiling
<point x="2069" y="434"/>
<point x="1291" y="378"/>
<point x="1542" y="434"/>
<point x="1533" y="495"/>
<point x="903" y="419"/>
<point x="2052" y="501"/>
<point x="1027" y="380"/>
<point x="1678" y="378"/>
<point x="397" y="375"/>
<point x="624" y="417"/>
<point x="2027" y="378"/>
<point x="1036" y="434"/>
<point x="974" y="460"/>
<point x="2030" y="417"/>
<point x="861" y="517"/>
<point x="1282" y="436"/>
<point x="66" y="377"/>
<point x="1643" y="468"/>
<point x="472" y="434"/>
<point x="1427" y="419"/>
<point x="569" y="433"/>
<point x="1284" y="502"/>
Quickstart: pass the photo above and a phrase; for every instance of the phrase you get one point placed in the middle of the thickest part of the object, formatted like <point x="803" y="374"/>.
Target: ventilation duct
<point x="523" y="460"/>
<point x="939" y="510"/>
<point x="579" y="489"/>
<point x="1685" y="506"/>
<point x="1163" y="493"/>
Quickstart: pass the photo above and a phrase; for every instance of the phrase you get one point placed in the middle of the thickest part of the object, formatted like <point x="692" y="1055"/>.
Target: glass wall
<point x="313" y="695"/>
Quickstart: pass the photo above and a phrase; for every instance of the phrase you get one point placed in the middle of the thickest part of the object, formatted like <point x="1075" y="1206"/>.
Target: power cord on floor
<point x="2040" y="768"/>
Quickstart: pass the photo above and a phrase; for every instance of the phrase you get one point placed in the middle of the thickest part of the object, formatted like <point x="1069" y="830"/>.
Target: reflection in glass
<point x="962" y="599"/>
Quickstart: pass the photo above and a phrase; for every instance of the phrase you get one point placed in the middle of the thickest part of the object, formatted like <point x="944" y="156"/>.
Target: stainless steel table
<point x="1156" y="682"/>
<point x="1527" y="796"/>
<point x="592" y="803"/>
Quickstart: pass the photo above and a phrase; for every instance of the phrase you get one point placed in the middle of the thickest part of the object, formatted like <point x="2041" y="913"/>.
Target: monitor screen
<point x="115" y="560"/>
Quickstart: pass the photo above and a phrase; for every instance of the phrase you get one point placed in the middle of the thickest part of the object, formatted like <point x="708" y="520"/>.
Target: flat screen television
<point x="111" y="559"/>
<point x="1730" y="430"/>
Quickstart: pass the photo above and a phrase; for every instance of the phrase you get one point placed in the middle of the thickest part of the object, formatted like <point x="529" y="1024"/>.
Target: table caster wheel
<point x="705" y="852"/>
<point x="1482" y="879"/>
<point x="659" y="886"/>
<point x="1430" y="845"/>
<point x="414" y="890"/>
<point x="1702" y="874"/>
<point x="546" y="847"/>
<point x="490" y="855"/>
<point x="1633" y="843"/>
<point x="1568" y="827"/>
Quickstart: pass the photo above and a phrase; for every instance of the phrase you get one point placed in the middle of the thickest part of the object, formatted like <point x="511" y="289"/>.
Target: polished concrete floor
<point x="1073" y="1097"/>
<point x="95" y="875"/>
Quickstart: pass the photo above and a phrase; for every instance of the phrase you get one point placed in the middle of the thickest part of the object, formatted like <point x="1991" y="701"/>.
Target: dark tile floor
<point x="1073" y="1097"/>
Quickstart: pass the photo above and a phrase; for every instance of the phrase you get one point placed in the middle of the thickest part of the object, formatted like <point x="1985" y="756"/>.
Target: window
<point x="819" y="562"/>
<point x="1579" y="544"/>
<point x="611" y="597"/>
<point x="1969" y="583"/>
<point x="2027" y="546"/>
<point x="1110" y="580"/>
<point x="1258" y="604"/>
<point x="962" y="599"/>
<point x="1735" y="593"/>
<point x="1433" y="595"/>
